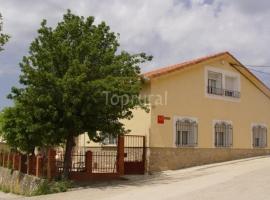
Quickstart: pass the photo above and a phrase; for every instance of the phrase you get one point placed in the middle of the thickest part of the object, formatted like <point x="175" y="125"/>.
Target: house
<point x="202" y="111"/>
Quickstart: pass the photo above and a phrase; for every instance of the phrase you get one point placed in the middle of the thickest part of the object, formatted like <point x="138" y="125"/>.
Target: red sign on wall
<point x="160" y="119"/>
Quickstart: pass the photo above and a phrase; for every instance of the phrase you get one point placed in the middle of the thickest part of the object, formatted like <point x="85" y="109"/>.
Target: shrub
<point x="53" y="187"/>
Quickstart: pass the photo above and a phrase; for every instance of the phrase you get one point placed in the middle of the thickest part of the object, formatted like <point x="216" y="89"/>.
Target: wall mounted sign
<point x="161" y="119"/>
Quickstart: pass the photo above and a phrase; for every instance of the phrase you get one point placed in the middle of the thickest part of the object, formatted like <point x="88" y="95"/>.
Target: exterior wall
<point x="171" y="158"/>
<point x="139" y="125"/>
<point x="186" y="97"/>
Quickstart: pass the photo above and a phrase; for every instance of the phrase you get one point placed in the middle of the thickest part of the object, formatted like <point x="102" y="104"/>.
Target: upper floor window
<point x="186" y="133"/>
<point x="259" y="134"/>
<point x="215" y="83"/>
<point x="223" y="84"/>
<point x="110" y="140"/>
<point x="223" y="134"/>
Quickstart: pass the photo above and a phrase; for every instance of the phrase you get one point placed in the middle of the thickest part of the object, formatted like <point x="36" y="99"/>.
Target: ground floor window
<point x="223" y="134"/>
<point x="259" y="136"/>
<point x="186" y="133"/>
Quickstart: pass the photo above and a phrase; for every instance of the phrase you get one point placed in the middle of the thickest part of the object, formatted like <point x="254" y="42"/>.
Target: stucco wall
<point x="186" y="97"/>
<point x="138" y="125"/>
<point x="161" y="159"/>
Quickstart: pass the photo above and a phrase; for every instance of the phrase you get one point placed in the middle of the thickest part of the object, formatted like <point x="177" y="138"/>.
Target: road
<point x="247" y="179"/>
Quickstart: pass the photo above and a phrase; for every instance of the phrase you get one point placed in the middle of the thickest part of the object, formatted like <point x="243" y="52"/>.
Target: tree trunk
<point x="68" y="155"/>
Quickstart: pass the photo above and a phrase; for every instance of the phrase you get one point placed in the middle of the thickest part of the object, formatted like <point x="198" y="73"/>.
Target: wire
<point x="268" y="73"/>
<point x="258" y="65"/>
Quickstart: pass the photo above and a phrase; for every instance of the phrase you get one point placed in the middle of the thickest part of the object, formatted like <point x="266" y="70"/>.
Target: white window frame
<point x="175" y="119"/>
<point x="224" y="74"/>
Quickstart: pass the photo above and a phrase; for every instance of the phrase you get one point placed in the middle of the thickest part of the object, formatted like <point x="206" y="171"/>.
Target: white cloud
<point x="171" y="30"/>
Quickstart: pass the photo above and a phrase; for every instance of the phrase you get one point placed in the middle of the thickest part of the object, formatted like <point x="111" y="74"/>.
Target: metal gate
<point x="135" y="153"/>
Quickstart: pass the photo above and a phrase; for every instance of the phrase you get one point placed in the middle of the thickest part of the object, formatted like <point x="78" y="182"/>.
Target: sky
<point x="171" y="30"/>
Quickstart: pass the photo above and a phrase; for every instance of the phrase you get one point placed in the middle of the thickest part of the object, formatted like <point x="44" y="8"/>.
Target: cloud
<point x="171" y="30"/>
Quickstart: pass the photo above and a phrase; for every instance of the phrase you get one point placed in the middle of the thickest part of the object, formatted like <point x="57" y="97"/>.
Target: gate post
<point x="121" y="155"/>
<point x="88" y="162"/>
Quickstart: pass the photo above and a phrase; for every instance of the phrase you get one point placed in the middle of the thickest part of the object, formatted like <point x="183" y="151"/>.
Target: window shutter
<point x="264" y="134"/>
<point x="230" y="135"/>
<point x="188" y="128"/>
<point x="195" y="133"/>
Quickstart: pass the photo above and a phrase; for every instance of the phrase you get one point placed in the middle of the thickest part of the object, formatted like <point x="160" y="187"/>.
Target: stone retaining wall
<point x="18" y="183"/>
<point x="161" y="159"/>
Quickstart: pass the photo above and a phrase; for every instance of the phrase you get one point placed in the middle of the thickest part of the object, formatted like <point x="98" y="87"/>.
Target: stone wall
<point x="161" y="159"/>
<point x="18" y="183"/>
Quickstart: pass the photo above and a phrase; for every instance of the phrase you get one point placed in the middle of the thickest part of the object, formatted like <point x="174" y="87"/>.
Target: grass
<point x="49" y="187"/>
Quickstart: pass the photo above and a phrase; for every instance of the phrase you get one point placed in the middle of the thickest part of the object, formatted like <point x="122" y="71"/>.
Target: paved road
<point x="242" y="180"/>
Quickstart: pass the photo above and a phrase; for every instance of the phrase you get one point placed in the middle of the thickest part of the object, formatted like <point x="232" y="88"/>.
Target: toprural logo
<point x="123" y="100"/>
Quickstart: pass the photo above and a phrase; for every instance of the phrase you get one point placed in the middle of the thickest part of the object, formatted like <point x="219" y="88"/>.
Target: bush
<point x="53" y="187"/>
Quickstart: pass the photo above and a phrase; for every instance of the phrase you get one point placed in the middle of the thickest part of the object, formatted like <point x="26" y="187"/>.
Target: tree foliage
<point x="68" y="77"/>
<point x="18" y="129"/>
<point x="3" y="37"/>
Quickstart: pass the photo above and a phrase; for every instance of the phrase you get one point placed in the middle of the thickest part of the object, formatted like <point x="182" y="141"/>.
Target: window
<point x="215" y="83"/>
<point x="186" y="133"/>
<point x="223" y="83"/>
<point x="259" y="134"/>
<point x="110" y="140"/>
<point x="231" y="87"/>
<point x="223" y="134"/>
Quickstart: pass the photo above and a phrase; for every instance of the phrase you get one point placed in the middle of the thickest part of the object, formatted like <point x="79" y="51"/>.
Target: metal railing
<point x="77" y="161"/>
<point x="104" y="162"/>
<point x="223" y="92"/>
<point x="223" y="135"/>
<point x="134" y="148"/>
<point x="186" y="133"/>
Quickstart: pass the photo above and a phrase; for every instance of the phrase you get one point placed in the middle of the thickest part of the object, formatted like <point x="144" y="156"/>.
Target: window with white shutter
<point x="223" y="134"/>
<point x="259" y="134"/>
<point x="186" y="133"/>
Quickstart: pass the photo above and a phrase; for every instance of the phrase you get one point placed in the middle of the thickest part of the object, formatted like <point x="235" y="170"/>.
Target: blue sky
<point x="172" y="30"/>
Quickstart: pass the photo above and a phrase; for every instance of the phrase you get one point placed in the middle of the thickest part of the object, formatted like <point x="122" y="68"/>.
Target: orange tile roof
<point x="172" y="68"/>
<point x="176" y="67"/>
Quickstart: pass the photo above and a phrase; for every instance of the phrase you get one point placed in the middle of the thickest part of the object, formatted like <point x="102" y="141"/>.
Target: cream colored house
<point x="206" y="110"/>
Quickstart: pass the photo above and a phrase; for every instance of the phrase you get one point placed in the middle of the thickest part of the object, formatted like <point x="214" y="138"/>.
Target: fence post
<point x="22" y="161"/>
<point x="8" y="160"/>
<point x="121" y="155"/>
<point x="1" y="158"/>
<point x="13" y="161"/>
<point x="29" y="164"/>
<point x="4" y="158"/>
<point x="51" y="164"/>
<point x="88" y="162"/>
<point x="39" y="160"/>
<point x="16" y="160"/>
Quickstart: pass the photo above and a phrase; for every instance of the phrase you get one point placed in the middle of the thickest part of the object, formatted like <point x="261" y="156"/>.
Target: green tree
<point x="3" y="37"/>
<point x="17" y="129"/>
<point x="69" y="77"/>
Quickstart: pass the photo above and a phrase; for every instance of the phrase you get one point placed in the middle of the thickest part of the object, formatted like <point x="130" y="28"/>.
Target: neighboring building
<point x="206" y="110"/>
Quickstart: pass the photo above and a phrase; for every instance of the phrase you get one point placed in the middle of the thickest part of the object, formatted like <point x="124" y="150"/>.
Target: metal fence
<point x="134" y="150"/>
<point x="77" y="160"/>
<point x="104" y="161"/>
